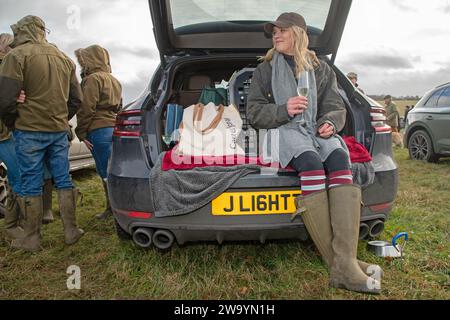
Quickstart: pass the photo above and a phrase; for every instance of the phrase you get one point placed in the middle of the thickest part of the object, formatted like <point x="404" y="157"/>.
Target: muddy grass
<point x="114" y="269"/>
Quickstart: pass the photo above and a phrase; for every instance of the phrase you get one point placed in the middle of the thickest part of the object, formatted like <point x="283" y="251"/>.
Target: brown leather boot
<point x="12" y="217"/>
<point x="345" y="211"/>
<point x="108" y="212"/>
<point x="67" y="207"/>
<point x="31" y="208"/>
<point x="47" y="202"/>
<point x="316" y="217"/>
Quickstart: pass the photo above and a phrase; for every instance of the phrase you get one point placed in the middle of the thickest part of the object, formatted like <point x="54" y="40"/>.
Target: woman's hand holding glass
<point x="302" y="91"/>
<point x="297" y="105"/>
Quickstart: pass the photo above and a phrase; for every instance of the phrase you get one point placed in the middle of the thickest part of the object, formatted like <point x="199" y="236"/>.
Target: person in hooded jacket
<point x="8" y="155"/>
<point x="53" y="96"/>
<point x="96" y="118"/>
<point x="7" y="152"/>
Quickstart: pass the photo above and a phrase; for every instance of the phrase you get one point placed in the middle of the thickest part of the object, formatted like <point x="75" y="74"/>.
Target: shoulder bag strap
<point x="198" y="115"/>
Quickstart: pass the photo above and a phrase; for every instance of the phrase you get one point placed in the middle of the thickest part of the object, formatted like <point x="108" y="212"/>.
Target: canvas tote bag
<point x="210" y="130"/>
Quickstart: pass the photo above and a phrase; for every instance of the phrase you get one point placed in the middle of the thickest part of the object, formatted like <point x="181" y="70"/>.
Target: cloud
<point x="429" y="32"/>
<point x="445" y="8"/>
<point x="417" y="82"/>
<point x="131" y="92"/>
<point x="403" y="5"/>
<point x="54" y="13"/>
<point x="138" y="51"/>
<point x="137" y="81"/>
<point x="406" y="82"/>
<point x="125" y="29"/>
<point x="122" y="27"/>
<point x="389" y="61"/>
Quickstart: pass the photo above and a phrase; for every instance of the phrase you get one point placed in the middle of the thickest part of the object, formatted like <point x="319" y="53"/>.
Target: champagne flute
<point x="302" y="91"/>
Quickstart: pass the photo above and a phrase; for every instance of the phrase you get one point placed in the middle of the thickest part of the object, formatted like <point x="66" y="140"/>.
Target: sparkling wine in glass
<point x="302" y="90"/>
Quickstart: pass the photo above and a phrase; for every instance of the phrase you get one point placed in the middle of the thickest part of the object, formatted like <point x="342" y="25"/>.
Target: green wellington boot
<point x="315" y="214"/>
<point x="345" y="211"/>
<point x="67" y="207"/>
<point x="108" y="212"/>
<point x="32" y="211"/>
<point x="47" y="202"/>
<point x="12" y="217"/>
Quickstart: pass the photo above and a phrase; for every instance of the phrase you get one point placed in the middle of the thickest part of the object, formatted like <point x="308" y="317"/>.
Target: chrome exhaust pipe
<point x="143" y="237"/>
<point x="363" y="230"/>
<point x="376" y="228"/>
<point x="163" y="239"/>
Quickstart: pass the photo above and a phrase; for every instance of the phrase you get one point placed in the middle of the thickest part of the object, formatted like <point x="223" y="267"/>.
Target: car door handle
<point x="429" y="118"/>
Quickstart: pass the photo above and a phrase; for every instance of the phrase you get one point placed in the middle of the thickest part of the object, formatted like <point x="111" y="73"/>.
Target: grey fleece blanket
<point x="177" y="192"/>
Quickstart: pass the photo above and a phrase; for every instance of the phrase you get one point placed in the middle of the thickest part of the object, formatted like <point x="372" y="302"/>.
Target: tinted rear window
<point x="188" y="12"/>
<point x="432" y="101"/>
<point x="444" y="99"/>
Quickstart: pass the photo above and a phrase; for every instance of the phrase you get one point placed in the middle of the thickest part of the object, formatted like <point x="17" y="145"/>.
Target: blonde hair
<point x="304" y="58"/>
<point x="5" y="40"/>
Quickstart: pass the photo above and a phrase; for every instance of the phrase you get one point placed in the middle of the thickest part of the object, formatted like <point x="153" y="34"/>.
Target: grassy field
<point x="113" y="269"/>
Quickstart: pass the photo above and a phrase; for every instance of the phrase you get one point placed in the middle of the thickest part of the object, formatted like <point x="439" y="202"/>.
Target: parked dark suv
<point x="201" y="43"/>
<point x="427" y="131"/>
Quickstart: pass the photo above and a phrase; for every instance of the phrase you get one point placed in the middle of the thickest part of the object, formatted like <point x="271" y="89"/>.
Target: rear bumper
<point x="198" y="226"/>
<point x="133" y="195"/>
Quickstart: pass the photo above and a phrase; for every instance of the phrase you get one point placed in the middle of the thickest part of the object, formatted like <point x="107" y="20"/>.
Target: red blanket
<point x="358" y="153"/>
<point x="174" y="161"/>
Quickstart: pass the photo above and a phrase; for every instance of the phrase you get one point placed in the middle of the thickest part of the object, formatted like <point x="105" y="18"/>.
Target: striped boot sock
<point x="312" y="181"/>
<point x="338" y="178"/>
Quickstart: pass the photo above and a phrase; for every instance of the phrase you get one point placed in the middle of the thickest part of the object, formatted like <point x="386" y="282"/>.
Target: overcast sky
<point x="401" y="47"/>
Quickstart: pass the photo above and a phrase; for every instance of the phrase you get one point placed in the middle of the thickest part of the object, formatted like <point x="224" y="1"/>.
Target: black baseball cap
<point x="286" y="20"/>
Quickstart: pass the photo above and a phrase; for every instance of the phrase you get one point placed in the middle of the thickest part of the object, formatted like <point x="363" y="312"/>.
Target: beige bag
<point x="210" y="131"/>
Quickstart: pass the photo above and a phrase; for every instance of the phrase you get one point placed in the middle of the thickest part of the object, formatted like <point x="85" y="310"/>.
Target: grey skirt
<point x="292" y="140"/>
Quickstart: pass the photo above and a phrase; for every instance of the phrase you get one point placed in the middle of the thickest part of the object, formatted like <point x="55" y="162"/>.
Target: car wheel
<point x="3" y="189"/>
<point x="121" y="233"/>
<point x="420" y="147"/>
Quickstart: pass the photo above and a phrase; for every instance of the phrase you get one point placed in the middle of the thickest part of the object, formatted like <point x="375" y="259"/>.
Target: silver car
<point x="427" y="131"/>
<point x="79" y="155"/>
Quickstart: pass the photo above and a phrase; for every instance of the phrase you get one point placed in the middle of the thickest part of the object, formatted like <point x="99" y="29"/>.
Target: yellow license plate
<point x="255" y="203"/>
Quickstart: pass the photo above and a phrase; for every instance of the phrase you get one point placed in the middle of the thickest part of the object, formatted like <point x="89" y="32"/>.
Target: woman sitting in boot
<point x="102" y="99"/>
<point x="307" y="128"/>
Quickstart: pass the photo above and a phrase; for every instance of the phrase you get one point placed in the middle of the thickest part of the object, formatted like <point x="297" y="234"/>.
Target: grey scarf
<point x="284" y="86"/>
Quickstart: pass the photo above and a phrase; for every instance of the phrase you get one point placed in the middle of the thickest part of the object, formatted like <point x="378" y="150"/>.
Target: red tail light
<point x="140" y="215"/>
<point x="128" y="124"/>
<point x="135" y="214"/>
<point x="381" y="207"/>
<point x="378" y="118"/>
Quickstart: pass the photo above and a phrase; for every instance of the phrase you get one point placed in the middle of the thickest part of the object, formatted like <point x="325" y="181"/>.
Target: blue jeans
<point x="8" y="156"/>
<point x="102" y="141"/>
<point x="33" y="149"/>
